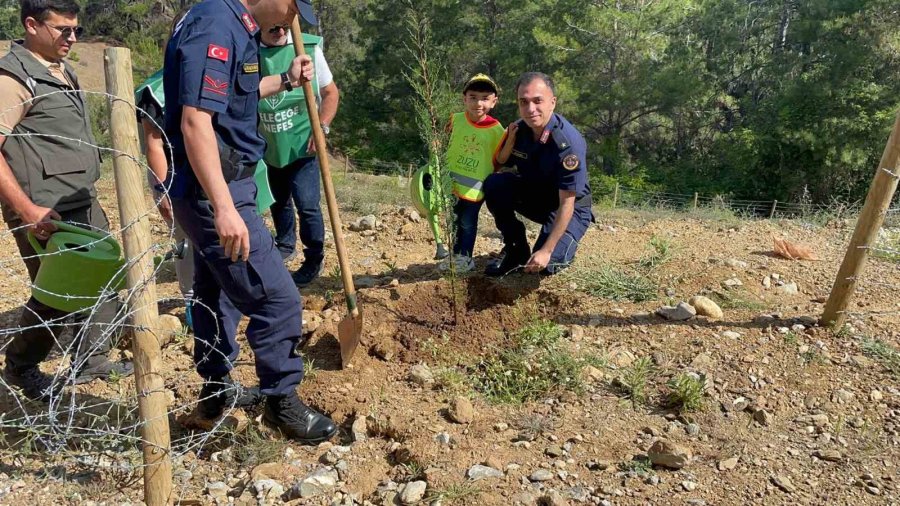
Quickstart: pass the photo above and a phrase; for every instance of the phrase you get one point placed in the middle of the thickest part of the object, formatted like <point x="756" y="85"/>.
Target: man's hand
<point x="164" y="205"/>
<point x="301" y="70"/>
<point x="233" y="235"/>
<point x="38" y="220"/>
<point x="538" y="261"/>
<point x="311" y="145"/>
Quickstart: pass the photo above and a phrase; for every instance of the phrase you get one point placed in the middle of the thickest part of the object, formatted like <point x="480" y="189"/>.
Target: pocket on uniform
<point x="244" y="284"/>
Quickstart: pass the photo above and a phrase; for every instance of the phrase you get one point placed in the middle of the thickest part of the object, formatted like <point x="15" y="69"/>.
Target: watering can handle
<point x="66" y="227"/>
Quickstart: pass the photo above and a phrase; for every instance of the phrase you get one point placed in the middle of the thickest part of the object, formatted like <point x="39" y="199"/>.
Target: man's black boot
<point x="35" y="384"/>
<point x="298" y="421"/>
<point x="516" y="256"/>
<point x="104" y="369"/>
<point x="308" y="272"/>
<point x="219" y="394"/>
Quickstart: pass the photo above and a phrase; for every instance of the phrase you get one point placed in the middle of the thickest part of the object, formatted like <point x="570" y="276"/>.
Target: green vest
<point x="150" y="97"/>
<point x="56" y="172"/>
<point x="283" y="120"/>
<point x="470" y="156"/>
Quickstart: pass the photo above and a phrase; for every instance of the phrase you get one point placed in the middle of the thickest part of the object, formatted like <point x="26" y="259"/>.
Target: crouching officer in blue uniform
<point x="549" y="184"/>
<point x="213" y="86"/>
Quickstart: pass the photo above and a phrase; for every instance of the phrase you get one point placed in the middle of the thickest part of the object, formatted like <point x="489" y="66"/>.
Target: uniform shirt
<point x="14" y="96"/>
<point x="212" y="63"/>
<point x="555" y="160"/>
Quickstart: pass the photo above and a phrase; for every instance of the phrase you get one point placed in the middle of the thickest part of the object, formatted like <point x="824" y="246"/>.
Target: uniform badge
<point x="249" y="23"/>
<point x="251" y="68"/>
<point x="545" y="136"/>
<point x="571" y="162"/>
<point x="217" y="52"/>
<point x="213" y="85"/>
<point x="519" y="154"/>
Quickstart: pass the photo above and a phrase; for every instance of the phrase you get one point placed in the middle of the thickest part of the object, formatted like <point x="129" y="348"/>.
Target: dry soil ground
<point x="791" y="413"/>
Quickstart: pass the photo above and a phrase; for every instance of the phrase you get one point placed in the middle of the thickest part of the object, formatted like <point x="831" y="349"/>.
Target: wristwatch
<point x="286" y="81"/>
<point x="325" y="129"/>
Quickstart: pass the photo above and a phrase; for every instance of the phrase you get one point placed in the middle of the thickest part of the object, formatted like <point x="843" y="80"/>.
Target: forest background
<point x="752" y="99"/>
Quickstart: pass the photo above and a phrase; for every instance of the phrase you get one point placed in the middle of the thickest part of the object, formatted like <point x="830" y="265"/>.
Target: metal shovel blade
<point x="349" y="332"/>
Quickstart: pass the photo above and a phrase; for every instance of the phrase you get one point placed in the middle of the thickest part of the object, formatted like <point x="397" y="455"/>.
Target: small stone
<point x="413" y="492"/>
<point x="359" y="431"/>
<point x="421" y="374"/>
<point x="553" y="499"/>
<point x="842" y="396"/>
<point x="541" y="475"/>
<point x="500" y="427"/>
<point x="592" y="373"/>
<point x="268" y="492"/>
<point x="494" y="461"/>
<point x="384" y="351"/>
<point x="668" y="454"/>
<point x="217" y="490"/>
<point x="829" y="455"/>
<point x="365" y="223"/>
<point x="621" y="358"/>
<point x="692" y="429"/>
<point x="732" y="283"/>
<point x="443" y="438"/>
<point x="480" y="472"/>
<point x="788" y="289"/>
<point x="706" y="307"/>
<point x="784" y="483"/>
<point x="320" y="482"/>
<point x="876" y="396"/>
<point x="554" y="452"/>
<point x="461" y="410"/>
<point x="730" y="334"/>
<point x="763" y="417"/>
<point x="728" y="464"/>
<point x="873" y="490"/>
<point x="168" y="328"/>
<point x="734" y="263"/>
<point x="599" y="465"/>
<point x="683" y="311"/>
<point x="688" y="485"/>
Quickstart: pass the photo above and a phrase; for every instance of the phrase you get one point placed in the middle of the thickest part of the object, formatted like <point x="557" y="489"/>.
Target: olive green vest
<point x="470" y="156"/>
<point x="59" y="171"/>
<point x="283" y="119"/>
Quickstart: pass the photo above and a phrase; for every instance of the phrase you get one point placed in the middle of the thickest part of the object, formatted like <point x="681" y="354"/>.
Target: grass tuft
<point x="686" y="392"/>
<point x="884" y="353"/>
<point x="612" y="283"/>
<point x="737" y="299"/>
<point x="633" y="380"/>
<point x="662" y="251"/>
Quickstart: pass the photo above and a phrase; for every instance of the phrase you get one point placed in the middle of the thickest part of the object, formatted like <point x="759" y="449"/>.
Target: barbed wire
<point x="73" y="423"/>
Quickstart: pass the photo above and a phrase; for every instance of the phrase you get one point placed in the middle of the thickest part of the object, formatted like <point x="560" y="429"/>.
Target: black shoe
<point x="308" y="272"/>
<point x="515" y="257"/>
<point x="103" y="369"/>
<point x="35" y="384"/>
<point x="225" y="393"/>
<point x="298" y="421"/>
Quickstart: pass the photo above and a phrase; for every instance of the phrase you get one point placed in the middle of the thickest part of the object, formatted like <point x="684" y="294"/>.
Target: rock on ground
<point x="706" y="307"/>
<point x="480" y="472"/>
<point x="461" y="410"/>
<point x="319" y="482"/>
<point x="413" y="492"/>
<point x="668" y="454"/>
<point x="421" y="374"/>
<point x="683" y="311"/>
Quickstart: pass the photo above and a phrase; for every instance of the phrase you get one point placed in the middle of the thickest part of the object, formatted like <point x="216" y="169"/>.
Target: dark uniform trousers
<point x="41" y="326"/>
<point x="260" y="288"/>
<point x="508" y="193"/>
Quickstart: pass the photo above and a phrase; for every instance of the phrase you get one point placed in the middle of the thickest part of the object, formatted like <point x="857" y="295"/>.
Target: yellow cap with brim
<point x="481" y="78"/>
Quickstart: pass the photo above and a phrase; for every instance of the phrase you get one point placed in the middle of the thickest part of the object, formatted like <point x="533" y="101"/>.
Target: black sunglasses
<point x="275" y="29"/>
<point x="67" y="31"/>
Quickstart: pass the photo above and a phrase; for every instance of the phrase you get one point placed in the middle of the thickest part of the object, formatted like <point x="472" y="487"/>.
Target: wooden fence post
<point x="867" y="225"/>
<point x="696" y="198"/>
<point x="151" y="394"/>
<point x="615" y="196"/>
<point x="774" y="207"/>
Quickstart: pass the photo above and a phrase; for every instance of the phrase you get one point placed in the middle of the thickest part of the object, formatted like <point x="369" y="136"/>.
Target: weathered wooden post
<point x="696" y="198"/>
<point x="615" y="196"/>
<point x="152" y="403"/>
<point x="870" y="220"/>
<point x="774" y="207"/>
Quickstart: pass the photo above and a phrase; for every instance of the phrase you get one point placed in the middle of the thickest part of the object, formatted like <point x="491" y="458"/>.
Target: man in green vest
<point x="47" y="172"/>
<point x="290" y="151"/>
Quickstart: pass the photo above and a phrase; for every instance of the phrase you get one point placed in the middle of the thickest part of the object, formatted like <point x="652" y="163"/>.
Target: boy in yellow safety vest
<point x="474" y="139"/>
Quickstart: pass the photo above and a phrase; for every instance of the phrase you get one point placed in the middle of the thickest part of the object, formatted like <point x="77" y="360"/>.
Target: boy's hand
<point x="511" y="132"/>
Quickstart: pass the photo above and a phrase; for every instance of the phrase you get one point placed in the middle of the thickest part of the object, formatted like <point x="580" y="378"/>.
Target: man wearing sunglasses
<point x="212" y="89"/>
<point x="290" y="150"/>
<point x="47" y="171"/>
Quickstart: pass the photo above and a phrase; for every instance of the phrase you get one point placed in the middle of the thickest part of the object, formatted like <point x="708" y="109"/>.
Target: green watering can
<point x="77" y="265"/>
<point x="426" y="193"/>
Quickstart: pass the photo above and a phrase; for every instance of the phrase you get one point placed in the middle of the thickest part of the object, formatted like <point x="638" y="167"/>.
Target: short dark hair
<point x="529" y="77"/>
<point x="40" y="9"/>
<point x="480" y="87"/>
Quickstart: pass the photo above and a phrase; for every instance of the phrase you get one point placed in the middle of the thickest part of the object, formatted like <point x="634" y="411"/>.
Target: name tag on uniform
<point x="519" y="154"/>
<point x="251" y="68"/>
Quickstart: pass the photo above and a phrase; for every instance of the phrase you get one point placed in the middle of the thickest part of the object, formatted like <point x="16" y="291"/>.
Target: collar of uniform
<point x="551" y="128"/>
<point x="244" y="16"/>
<point x="558" y="132"/>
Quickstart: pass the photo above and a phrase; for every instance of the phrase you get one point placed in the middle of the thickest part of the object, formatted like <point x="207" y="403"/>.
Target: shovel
<point x="350" y="328"/>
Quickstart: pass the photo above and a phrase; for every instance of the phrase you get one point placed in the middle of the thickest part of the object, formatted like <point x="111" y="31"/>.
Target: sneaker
<point x="35" y="384"/>
<point x="440" y="252"/>
<point x="103" y="369"/>
<point x="219" y="394"/>
<point x="298" y="421"/>
<point x="308" y="272"/>
<point x="514" y="258"/>
<point x="462" y="263"/>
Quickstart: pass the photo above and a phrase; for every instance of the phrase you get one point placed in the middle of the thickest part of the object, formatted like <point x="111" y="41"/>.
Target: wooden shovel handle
<point x="324" y="165"/>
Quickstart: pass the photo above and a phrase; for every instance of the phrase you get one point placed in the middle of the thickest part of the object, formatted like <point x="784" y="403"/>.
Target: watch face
<point x="326" y="130"/>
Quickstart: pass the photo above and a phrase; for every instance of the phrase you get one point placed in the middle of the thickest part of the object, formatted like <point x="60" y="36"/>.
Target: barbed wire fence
<point x="92" y="433"/>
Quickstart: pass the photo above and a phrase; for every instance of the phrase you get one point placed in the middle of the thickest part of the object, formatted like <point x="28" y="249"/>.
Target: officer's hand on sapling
<point x="538" y="261"/>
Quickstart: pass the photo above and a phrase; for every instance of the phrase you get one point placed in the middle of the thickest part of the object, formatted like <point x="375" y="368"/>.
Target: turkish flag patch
<point x="217" y="52"/>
